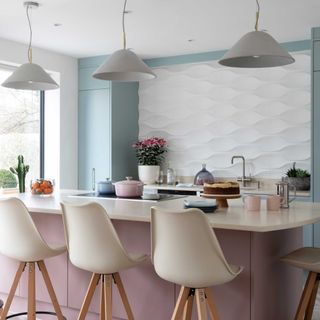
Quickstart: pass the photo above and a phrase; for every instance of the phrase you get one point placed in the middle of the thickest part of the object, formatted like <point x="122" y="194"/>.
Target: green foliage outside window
<point x="7" y="179"/>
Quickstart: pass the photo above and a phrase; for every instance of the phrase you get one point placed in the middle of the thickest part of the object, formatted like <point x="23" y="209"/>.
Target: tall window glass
<point x="19" y="130"/>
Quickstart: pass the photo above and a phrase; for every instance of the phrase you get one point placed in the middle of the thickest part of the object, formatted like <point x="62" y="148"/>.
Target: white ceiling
<point x="154" y="28"/>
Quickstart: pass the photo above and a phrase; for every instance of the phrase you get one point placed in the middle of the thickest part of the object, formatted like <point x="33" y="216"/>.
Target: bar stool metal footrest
<point x="37" y="312"/>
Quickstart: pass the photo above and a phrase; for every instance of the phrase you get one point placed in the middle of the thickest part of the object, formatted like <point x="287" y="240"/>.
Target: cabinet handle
<point x="93" y="179"/>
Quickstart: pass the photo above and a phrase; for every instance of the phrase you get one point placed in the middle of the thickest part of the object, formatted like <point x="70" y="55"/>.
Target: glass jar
<point x="203" y="176"/>
<point x="170" y="176"/>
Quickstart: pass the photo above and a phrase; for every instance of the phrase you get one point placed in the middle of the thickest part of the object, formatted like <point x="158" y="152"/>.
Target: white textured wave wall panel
<point x="208" y="113"/>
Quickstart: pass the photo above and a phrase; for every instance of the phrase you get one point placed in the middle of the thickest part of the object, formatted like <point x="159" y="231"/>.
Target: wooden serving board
<point x="221" y="198"/>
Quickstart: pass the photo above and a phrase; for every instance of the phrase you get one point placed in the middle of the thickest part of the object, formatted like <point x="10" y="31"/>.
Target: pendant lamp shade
<point x="124" y="65"/>
<point x="256" y="49"/>
<point x="30" y="76"/>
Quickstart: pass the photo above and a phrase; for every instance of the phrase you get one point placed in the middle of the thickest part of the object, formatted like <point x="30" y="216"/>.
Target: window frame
<point x="42" y="134"/>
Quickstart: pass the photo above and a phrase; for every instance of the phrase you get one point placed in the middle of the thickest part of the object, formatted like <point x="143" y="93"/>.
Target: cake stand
<point x="221" y="198"/>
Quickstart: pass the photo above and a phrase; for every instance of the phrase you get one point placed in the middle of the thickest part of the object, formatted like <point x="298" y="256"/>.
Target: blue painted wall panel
<point x="87" y="82"/>
<point x="316" y="56"/>
<point x="125" y="115"/>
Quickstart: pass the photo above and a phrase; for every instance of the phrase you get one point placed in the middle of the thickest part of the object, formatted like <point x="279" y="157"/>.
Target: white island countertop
<point x="235" y="217"/>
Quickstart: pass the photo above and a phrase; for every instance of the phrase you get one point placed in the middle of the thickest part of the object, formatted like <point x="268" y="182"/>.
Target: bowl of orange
<point x="42" y="186"/>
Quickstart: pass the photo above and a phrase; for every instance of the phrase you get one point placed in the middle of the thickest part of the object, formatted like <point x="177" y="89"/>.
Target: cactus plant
<point x="21" y="170"/>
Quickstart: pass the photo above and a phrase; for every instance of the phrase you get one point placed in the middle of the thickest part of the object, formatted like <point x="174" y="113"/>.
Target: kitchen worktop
<point x="235" y="217"/>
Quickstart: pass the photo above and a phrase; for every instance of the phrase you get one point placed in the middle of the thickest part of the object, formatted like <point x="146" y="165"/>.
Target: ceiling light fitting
<point x="124" y="65"/>
<point x="30" y="76"/>
<point x="256" y="49"/>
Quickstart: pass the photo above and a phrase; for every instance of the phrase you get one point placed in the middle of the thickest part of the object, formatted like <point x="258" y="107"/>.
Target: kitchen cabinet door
<point x="94" y="147"/>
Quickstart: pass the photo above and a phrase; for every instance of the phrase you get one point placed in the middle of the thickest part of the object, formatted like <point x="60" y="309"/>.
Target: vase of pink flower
<point x="150" y="154"/>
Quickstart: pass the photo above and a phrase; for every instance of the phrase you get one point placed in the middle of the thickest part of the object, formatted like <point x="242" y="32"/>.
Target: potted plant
<point x="299" y="178"/>
<point x="150" y="153"/>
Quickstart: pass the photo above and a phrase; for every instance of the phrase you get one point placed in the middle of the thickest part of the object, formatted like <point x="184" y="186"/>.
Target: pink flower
<point x="150" y="151"/>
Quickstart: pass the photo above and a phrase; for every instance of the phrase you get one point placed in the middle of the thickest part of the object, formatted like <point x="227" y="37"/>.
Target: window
<point x="19" y="130"/>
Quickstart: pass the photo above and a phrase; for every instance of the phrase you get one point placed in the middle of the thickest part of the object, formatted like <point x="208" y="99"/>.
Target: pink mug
<point x="273" y="203"/>
<point x="252" y="203"/>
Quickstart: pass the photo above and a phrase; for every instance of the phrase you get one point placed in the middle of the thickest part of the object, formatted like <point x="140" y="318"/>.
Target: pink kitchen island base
<point x="266" y="289"/>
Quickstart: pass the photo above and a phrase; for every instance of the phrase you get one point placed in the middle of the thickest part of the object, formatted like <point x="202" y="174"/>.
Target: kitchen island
<point x="266" y="289"/>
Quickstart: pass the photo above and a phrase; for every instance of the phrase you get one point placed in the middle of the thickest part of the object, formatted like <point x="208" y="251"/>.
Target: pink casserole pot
<point x="129" y="188"/>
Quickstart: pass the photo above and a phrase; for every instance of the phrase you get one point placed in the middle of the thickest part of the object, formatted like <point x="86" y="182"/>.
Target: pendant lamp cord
<point x="30" y="38"/>
<point x="123" y="25"/>
<point x="257" y="16"/>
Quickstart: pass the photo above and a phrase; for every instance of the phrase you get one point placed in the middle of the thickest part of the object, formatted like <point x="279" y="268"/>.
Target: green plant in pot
<point x="299" y="178"/>
<point x="150" y="153"/>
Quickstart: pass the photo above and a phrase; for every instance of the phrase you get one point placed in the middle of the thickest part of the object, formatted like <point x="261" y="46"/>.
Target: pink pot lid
<point x="129" y="181"/>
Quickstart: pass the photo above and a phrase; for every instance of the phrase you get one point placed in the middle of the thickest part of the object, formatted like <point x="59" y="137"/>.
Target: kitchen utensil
<point x="129" y="188"/>
<point x="283" y="188"/>
<point x="203" y="176"/>
<point x="105" y="187"/>
<point x="171" y="179"/>
<point x="205" y="206"/>
<point x="150" y="196"/>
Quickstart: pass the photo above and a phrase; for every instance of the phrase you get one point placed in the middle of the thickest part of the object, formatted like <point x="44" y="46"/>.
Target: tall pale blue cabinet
<point x="107" y="127"/>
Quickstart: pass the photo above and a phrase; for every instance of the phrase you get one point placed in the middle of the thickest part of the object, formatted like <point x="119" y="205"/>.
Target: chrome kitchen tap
<point x="244" y="179"/>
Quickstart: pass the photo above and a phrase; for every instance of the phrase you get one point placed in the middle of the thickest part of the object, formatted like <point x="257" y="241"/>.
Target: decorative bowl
<point x="42" y="186"/>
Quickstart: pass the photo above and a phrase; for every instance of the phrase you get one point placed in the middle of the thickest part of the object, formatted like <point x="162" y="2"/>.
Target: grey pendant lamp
<point x="30" y="76"/>
<point x="256" y="49"/>
<point x="124" y="65"/>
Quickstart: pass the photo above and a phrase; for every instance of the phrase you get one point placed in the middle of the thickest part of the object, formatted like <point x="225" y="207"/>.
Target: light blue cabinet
<point x="94" y="136"/>
<point x="107" y="127"/>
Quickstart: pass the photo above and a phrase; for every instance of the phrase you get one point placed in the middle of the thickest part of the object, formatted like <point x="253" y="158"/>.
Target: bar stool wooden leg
<point x="108" y="295"/>
<point x="211" y="305"/>
<point x="182" y="299"/>
<point x="32" y="292"/>
<point x="201" y="304"/>
<point x="187" y="313"/>
<point x="123" y="295"/>
<point x="312" y="301"/>
<point x="102" y="305"/>
<point x="12" y="291"/>
<point x="52" y="294"/>
<point x="85" y="305"/>
<point x="305" y="298"/>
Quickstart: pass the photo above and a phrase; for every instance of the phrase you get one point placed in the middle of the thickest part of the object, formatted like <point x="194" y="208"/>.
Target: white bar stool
<point x="308" y="259"/>
<point x="94" y="246"/>
<point x="20" y="240"/>
<point x="186" y="251"/>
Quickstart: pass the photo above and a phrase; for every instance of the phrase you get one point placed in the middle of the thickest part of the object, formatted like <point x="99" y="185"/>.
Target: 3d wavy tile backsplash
<point x="208" y="113"/>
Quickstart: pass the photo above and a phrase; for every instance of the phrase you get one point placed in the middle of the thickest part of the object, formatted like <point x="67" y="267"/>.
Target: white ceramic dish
<point x="151" y="196"/>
